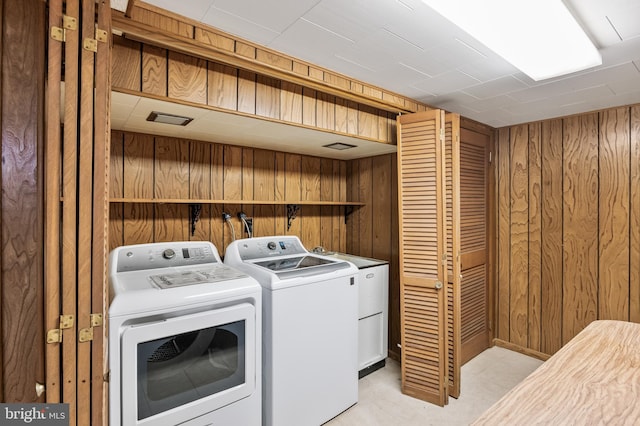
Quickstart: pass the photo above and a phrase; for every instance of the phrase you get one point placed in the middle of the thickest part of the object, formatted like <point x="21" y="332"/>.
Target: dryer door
<point x="183" y="367"/>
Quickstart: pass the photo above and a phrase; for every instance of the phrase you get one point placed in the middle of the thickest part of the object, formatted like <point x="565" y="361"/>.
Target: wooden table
<point x="593" y="379"/>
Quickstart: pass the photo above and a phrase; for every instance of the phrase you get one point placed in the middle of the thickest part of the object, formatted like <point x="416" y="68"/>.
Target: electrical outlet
<point x="249" y="227"/>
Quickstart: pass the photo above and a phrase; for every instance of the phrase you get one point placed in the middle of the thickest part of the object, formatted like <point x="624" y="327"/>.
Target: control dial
<point x="168" y="254"/>
<point x="271" y="245"/>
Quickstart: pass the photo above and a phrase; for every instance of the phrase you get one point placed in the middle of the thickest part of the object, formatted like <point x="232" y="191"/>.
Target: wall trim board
<point x="523" y="350"/>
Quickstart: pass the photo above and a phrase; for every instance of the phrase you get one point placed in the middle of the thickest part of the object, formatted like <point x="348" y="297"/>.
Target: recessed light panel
<point x="339" y="146"/>
<point x="539" y="37"/>
<point x="162" y="117"/>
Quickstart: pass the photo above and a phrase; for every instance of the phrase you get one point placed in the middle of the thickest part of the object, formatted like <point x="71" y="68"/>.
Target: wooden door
<point x="423" y="313"/>
<point x="474" y="247"/>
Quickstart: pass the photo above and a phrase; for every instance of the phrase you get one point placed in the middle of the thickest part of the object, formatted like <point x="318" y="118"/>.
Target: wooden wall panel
<point x="200" y="188"/>
<point x="535" y="236"/>
<point x="311" y="191"/>
<point x="291" y="102"/>
<point x="366" y="212"/>
<point x="268" y="97"/>
<point x="614" y="175"/>
<point x="126" y="65"/>
<point x="160" y="167"/>
<point x="22" y="74"/>
<point x="187" y="78"/>
<point x="219" y="230"/>
<point x="504" y="234"/>
<point x="580" y="218"/>
<point x="551" y="274"/>
<point x="309" y="105"/>
<point x="634" y="247"/>
<point x="246" y="92"/>
<point x="582" y="245"/>
<point x="154" y="70"/>
<point x="518" y="279"/>
<point x="222" y="86"/>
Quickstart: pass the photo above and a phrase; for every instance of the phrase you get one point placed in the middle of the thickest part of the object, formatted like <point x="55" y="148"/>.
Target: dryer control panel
<point x="172" y="254"/>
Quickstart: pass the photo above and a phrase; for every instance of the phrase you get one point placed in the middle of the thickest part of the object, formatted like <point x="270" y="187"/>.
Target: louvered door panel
<point x="473" y="243"/>
<point x="422" y="245"/>
<point x="474" y="308"/>
<point x="452" y="230"/>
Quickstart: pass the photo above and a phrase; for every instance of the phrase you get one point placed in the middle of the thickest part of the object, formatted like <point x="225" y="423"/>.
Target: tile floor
<point x="485" y="379"/>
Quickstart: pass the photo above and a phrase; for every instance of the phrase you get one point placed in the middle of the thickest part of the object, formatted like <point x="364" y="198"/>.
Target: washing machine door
<point x="180" y="368"/>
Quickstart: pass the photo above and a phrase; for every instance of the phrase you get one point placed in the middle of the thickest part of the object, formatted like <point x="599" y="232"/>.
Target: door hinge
<point x="60" y="33"/>
<point x="55" y="335"/>
<point x="490" y="157"/>
<point x="57" y="34"/>
<point x="70" y="23"/>
<point x="90" y="44"/>
<point x="101" y="35"/>
<point x="86" y="334"/>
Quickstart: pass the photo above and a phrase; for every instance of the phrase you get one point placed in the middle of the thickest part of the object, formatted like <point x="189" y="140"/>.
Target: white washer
<point x="310" y="329"/>
<point x="184" y="338"/>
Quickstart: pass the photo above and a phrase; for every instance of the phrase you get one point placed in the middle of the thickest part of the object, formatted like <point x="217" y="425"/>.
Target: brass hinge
<point x="101" y="35"/>
<point x="68" y="23"/>
<point x="57" y="34"/>
<point x="86" y="334"/>
<point x="55" y="335"/>
<point x="90" y="44"/>
<point x="96" y="320"/>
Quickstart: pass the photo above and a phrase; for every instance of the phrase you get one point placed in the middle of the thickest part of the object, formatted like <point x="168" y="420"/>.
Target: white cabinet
<point x="373" y="302"/>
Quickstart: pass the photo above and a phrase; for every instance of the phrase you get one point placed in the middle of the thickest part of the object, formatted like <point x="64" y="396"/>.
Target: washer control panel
<point x="163" y="255"/>
<point x="257" y="248"/>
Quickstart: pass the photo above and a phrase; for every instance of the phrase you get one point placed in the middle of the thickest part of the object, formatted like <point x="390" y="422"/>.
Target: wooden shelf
<point x="246" y="202"/>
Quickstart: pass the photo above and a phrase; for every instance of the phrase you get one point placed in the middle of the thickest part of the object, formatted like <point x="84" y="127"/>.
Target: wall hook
<point x="292" y="211"/>
<point x="195" y="210"/>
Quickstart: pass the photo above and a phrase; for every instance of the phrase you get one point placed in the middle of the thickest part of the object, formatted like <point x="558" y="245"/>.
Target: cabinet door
<point x="423" y="308"/>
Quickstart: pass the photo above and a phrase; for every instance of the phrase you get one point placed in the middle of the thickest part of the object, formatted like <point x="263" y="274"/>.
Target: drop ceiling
<point x="405" y="47"/>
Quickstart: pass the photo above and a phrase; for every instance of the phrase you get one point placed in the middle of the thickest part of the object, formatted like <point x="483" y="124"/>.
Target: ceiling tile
<point x="499" y="86"/>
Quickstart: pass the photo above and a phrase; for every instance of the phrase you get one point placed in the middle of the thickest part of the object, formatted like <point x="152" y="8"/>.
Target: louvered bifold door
<point x="452" y="229"/>
<point x="422" y="252"/>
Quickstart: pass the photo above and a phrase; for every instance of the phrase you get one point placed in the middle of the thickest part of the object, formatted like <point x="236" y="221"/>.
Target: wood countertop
<point x="593" y="380"/>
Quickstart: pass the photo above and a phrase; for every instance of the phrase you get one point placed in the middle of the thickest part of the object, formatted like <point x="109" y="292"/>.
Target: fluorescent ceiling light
<point x="163" y="117"/>
<point x="539" y="37"/>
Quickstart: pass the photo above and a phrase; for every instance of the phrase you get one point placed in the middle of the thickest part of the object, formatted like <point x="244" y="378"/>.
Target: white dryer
<point x="310" y="329"/>
<point x="185" y="338"/>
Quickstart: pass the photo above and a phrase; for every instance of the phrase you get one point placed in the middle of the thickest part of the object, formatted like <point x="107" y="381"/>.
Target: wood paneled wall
<point x="372" y="230"/>
<point x="164" y="28"/>
<point x="157" y="72"/>
<point x="568" y="245"/>
<point x="22" y="31"/>
<point x="144" y="166"/>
